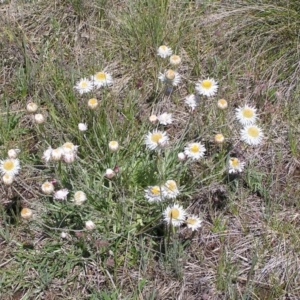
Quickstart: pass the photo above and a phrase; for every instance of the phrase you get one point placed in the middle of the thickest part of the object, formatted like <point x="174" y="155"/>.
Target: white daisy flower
<point x="246" y="115"/>
<point x="219" y="138"/>
<point x="154" y="193"/>
<point x="207" y="87"/>
<point x="222" y="104"/>
<point x="93" y="103"/>
<point x="170" y="77"/>
<point x="83" y="86"/>
<point x="90" y="225"/>
<point x="164" y="51"/>
<point x="82" y="127"/>
<point x="47" y="188"/>
<point x="39" y="118"/>
<point x="101" y="79"/>
<point x="192" y="101"/>
<point x="235" y="165"/>
<point x="252" y="135"/>
<point x="61" y="194"/>
<point x="56" y="154"/>
<point x="47" y="154"/>
<point x="175" y="60"/>
<point x="113" y="146"/>
<point x="8" y="179"/>
<point x="170" y="189"/>
<point x="165" y="119"/>
<point x="193" y="222"/>
<point x="10" y="166"/>
<point x="32" y="107"/>
<point x="13" y="153"/>
<point x="156" y="139"/>
<point x="194" y="151"/>
<point x="79" y="198"/>
<point x="26" y="213"/>
<point x="174" y="215"/>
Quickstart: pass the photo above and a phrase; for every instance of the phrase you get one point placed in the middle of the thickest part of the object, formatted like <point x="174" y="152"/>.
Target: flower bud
<point x="113" y="146"/>
<point x="8" y="179"/>
<point x="90" y="225"/>
<point x="47" y="188"/>
<point x="110" y="173"/>
<point x="31" y="107"/>
<point x="39" y="118"/>
<point x="26" y="213"/>
<point x="181" y="156"/>
<point x="93" y="103"/>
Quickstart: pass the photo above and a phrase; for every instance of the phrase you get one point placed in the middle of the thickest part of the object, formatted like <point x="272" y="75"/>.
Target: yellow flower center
<point x="222" y="102"/>
<point x="235" y="162"/>
<point x="191" y="221"/>
<point x="219" y="138"/>
<point x="8" y="165"/>
<point x="101" y="76"/>
<point x="113" y="143"/>
<point x="46" y="185"/>
<point x="83" y="84"/>
<point x="174" y="58"/>
<point x="206" y="84"/>
<point x="56" y="151"/>
<point x="6" y="176"/>
<point x="194" y="148"/>
<point x="155" y="190"/>
<point x="174" y="213"/>
<point x="171" y="185"/>
<point x="25" y="211"/>
<point x="78" y="195"/>
<point x="253" y="132"/>
<point x="170" y="74"/>
<point x="156" y="137"/>
<point x="163" y="47"/>
<point x="247" y="113"/>
<point x="93" y="101"/>
<point x="68" y="145"/>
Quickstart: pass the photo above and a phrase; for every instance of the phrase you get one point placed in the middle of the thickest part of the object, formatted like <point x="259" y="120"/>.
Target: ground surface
<point x="248" y="245"/>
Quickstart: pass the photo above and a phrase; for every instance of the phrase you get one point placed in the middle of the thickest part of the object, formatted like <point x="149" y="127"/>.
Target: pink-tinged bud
<point x="153" y="119"/>
<point x="69" y="157"/>
<point x="13" y="153"/>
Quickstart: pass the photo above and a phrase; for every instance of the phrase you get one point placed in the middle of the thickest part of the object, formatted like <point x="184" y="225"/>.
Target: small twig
<point x="3" y="264"/>
<point x="112" y="282"/>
